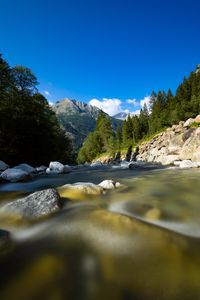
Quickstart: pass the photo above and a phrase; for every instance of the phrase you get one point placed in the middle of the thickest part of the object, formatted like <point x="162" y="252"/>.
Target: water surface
<point x="138" y="242"/>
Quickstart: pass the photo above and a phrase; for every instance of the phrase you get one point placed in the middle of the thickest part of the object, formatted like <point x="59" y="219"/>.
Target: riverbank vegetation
<point x="164" y="110"/>
<point x="29" y="130"/>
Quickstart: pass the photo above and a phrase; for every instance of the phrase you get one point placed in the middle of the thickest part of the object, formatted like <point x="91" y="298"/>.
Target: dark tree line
<point x="165" y="109"/>
<point x="29" y="130"/>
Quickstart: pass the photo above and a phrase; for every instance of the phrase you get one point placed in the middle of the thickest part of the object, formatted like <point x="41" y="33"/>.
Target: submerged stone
<point x="35" y="205"/>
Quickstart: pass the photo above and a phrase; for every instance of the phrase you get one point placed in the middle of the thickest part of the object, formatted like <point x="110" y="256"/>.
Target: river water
<point x="140" y="242"/>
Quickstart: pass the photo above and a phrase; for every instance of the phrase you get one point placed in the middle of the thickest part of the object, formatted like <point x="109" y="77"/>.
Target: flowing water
<point x="140" y="242"/>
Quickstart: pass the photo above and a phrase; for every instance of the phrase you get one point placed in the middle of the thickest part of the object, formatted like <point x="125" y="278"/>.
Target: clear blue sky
<point x="86" y="49"/>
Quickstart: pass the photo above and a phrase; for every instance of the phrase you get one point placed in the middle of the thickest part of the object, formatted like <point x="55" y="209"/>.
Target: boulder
<point x="86" y="188"/>
<point x="41" y="170"/>
<point x="186" y="164"/>
<point x="95" y="164"/>
<point x="55" y="167"/>
<point x="14" y="175"/>
<point x="109" y="184"/>
<point x="3" y="165"/>
<point x="188" y="122"/>
<point x="26" y="168"/>
<point x="191" y="149"/>
<point x="35" y="205"/>
<point x="197" y="119"/>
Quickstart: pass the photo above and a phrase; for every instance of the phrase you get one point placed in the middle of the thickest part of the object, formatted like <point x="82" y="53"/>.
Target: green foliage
<point x="194" y="125"/>
<point x="99" y="141"/>
<point x="29" y="130"/>
<point x="165" y="110"/>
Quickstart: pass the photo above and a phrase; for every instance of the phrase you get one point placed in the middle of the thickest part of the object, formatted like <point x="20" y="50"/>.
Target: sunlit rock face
<point x="78" y="119"/>
<point x="180" y="142"/>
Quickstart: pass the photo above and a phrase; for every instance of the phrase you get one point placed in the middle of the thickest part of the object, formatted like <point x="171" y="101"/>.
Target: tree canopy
<point x="29" y="129"/>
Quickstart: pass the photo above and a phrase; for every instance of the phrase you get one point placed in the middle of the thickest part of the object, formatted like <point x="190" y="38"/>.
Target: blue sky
<point x="113" y="51"/>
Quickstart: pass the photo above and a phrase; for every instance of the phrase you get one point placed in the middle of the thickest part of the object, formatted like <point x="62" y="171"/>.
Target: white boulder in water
<point x="3" y="165"/>
<point x="55" y="167"/>
<point x="26" y="168"/>
<point x="14" y="175"/>
<point x="109" y="184"/>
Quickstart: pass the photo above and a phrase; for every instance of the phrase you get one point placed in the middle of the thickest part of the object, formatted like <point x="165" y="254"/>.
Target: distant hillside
<point x="122" y="116"/>
<point x="78" y="119"/>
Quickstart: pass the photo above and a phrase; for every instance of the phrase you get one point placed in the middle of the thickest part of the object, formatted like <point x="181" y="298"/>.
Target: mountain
<point x="78" y="119"/>
<point x="121" y="116"/>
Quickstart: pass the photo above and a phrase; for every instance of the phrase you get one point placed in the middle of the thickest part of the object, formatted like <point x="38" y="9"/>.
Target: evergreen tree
<point x="29" y="130"/>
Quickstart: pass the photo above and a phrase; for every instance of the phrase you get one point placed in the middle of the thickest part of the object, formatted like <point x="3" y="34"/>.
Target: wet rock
<point x="95" y="164"/>
<point x="26" y="168"/>
<point x="14" y="175"/>
<point x="186" y="164"/>
<point x="41" y="170"/>
<point x="35" y="205"/>
<point x="81" y="187"/>
<point x="109" y="184"/>
<point x="55" y="167"/>
<point x="3" y="165"/>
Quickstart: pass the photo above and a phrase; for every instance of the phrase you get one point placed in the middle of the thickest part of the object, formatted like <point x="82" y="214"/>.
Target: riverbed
<point x="139" y="242"/>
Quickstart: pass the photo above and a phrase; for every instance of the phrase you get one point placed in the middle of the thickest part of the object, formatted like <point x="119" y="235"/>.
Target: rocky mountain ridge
<point x="78" y="119"/>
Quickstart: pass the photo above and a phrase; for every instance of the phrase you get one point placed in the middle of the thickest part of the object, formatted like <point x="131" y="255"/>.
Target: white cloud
<point x="50" y="103"/>
<point x="133" y="101"/>
<point x="146" y="101"/>
<point x="110" y="106"/>
<point x="136" y="112"/>
<point x="47" y="93"/>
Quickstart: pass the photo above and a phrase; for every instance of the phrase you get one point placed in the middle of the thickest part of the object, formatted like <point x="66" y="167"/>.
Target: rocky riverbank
<point x="178" y="145"/>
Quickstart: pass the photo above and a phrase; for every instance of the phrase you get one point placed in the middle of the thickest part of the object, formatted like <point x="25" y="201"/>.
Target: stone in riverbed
<point x="109" y="184"/>
<point x="82" y="188"/>
<point x="56" y="167"/>
<point x="3" y="165"/>
<point x="26" y="168"/>
<point x="153" y="214"/>
<point x="35" y="205"/>
<point x="14" y="175"/>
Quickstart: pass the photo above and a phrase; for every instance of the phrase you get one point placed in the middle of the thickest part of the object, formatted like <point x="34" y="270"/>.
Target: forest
<point x="165" y="109"/>
<point x="29" y="129"/>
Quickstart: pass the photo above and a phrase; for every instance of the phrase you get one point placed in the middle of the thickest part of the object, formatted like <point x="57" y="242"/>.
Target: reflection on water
<point x="136" y="243"/>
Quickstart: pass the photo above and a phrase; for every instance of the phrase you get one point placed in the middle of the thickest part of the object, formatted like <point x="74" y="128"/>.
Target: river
<point x="140" y="242"/>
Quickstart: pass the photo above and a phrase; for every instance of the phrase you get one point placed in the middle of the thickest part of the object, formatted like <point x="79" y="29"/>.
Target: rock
<point x="188" y="122"/>
<point x="109" y="184"/>
<point x="35" y="205"/>
<point x="95" y="164"/>
<point x="14" y="175"/>
<point x="191" y="149"/>
<point x="86" y="188"/>
<point x="55" y="167"/>
<point x="41" y="170"/>
<point x="186" y="164"/>
<point x="124" y="164"/>
<point x="3" y="165"/>
<point x="168" y="159"/>
<point x="67" y="169"/>
<point x="197" y="119"/>
<point x="26" y="168"/>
